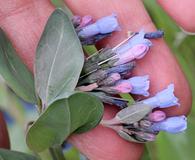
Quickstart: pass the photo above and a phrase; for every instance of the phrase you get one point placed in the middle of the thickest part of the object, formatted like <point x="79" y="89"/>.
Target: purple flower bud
<point x="152" y="35"/>
<point x="123" y="86"/>
<point x="138" y="39"/>
<point x="172" y="125"/>
<point x="136" y="52"/>
<point x="157" y="116"/>
<point x="163" y="99"/>
<point x="76" y="20"/>
<point x="86" y="20"/>
<point x="140" y="85"/>
<point x="102" y="26"/>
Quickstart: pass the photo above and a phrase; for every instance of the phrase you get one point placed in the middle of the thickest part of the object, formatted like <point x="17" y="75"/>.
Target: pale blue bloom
<point x="172" y="125"/>
<point x="163" y="99"/>
<point x="104" y="25"/>
<point x="140" y="85"/>
<point x="135" y="40"/>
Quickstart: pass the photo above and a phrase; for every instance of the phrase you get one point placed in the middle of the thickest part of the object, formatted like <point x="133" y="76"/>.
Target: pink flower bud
<point x="122" y="86"/>
<point x="136" y="52"/>
<point x="157" y="116"/>
<point x="86" y="20"/>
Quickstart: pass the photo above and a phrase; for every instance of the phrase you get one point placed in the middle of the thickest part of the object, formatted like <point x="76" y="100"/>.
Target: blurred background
<point x="18" y="113"/>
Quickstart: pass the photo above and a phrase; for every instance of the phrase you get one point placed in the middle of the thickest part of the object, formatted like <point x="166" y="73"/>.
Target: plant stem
<point x="57" y="153"/>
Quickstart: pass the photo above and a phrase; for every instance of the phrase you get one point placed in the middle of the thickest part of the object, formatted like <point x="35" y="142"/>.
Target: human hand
<point x="24" y="20"/>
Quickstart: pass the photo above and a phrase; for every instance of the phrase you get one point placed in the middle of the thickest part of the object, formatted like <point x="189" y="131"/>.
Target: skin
<point x="24" y="20"/>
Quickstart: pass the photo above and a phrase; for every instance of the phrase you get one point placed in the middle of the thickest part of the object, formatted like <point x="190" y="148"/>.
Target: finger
<point x="23" y="21"/>
<point x="160" y="64"/>
<point x="127" y="16"/>
<point x="29" y="19"/>
<point x="182" y="12"/>
<point x="4" y="138"/>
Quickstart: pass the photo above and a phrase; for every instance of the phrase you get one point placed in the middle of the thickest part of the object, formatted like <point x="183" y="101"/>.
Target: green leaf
<point x="51" y="128"/>
<point x="133" y="113"/>
<point x="80" y="112"/>
<point x="59" y="59"/>
<point x="86" y="112"/>
<point x="11" y="155"/>
<point x="15" y="73"/>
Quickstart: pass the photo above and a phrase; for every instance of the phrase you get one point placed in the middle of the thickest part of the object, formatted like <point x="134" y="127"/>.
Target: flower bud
<point x="123" y="86"/>
<point x="145" y="136"/>
<point x="136" y="52"/>
<point x="122" y="103"/>
<point x="110" y="80"/>
<point x="87" y="88"/>
<point x="157" y="116"/>
<point x="86" y="20"/>
<point x="123" y="68"/>
<point x="172" y="125"/>
<point x="152" y="35"/>
<point x="145" y="123"/>
<point x="137" y="39"/>
<point x="76" y="20"/>
<point x="163" y="99"/>
<point x="102" y="26"/>
<point x="94" y="77"/>
<point x="140" y="85"/>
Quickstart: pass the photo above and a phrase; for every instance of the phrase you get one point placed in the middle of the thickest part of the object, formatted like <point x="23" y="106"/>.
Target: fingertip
<point x="104" y="143"/>
<point x="182" y="12"/>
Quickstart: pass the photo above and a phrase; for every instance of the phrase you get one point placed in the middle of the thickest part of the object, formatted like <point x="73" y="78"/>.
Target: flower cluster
<point x="140" y="123"/>
<point x="106" y="73"/>
<point x="91" y="32"/>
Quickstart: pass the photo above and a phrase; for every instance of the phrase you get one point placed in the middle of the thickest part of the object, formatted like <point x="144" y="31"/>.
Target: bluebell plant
<point x="107" y="73"/>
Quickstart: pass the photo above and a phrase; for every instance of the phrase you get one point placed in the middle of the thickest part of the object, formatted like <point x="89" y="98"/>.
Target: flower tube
<point x="163" y="99"/>
<point x="104" y="25"/>
<point x="140" y="85"/>
<point x="172" y="125"/>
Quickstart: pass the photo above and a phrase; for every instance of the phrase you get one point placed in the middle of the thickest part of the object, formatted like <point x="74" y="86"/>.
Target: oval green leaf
<point x="133" y="113"/>
<point x="10" y="155"/>
<point x="59" y="59"/>
<point x="51" y="128"/>
<point x="79" y="113"/>
<point x="86" y="112"/>
<point x="14" y="71"/>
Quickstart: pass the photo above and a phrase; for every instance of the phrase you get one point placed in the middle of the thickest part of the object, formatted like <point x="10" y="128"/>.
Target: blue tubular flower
<point x="138" y="39"/>
<point x="171" y="125"/>
<point x="163" y="99"/>
<point x="140" y="85"/>
<point x="102" y="26"/>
